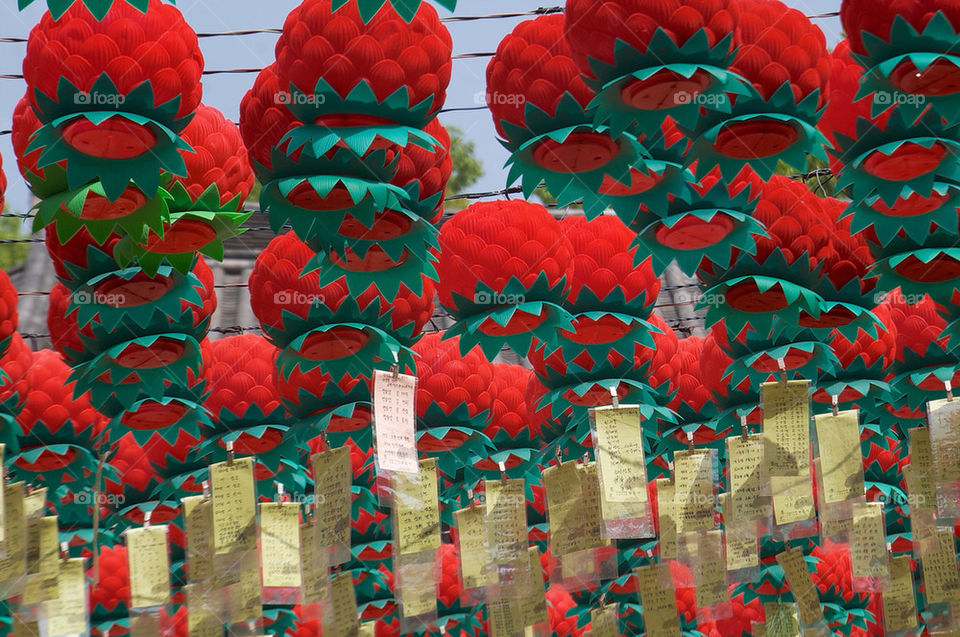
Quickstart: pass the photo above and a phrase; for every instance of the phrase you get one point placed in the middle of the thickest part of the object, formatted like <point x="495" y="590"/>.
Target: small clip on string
<point x="949" y="389"/>
<point x="229" y="453"/>
<point x="744" y="427"/>
<point x="782" y="364"/>
<point x="503" y="471"/>
<point x="614" y="398"/>
<point x="835" y="405"/>
<point x="279" y="493"/>
<point x="690" y="441"/>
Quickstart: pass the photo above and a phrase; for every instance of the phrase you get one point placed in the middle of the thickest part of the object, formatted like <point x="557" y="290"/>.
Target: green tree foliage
<point x="467" y="169"/>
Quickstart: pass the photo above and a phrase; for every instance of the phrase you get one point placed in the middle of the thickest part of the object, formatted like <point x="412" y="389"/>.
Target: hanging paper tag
<point x="868" y="547"/>
<point x="562" y="485"/>
<point x="201" y="620"/>
<point x="703" y="554"/>
<point x="694" y="480"/>
<point x="416" y="588"/>
<point x="921" y="482"/>
<point x="313" y="566"/>
<point x="798" y="577"/>
<point x="145" y="623"/>
<point x="505" y="618"/>
<point x="944" y="419"/>
<point x="149" y="566"/>
<point x="395" y="421"/>
<point x="506" y="525"/>
<point x="42" y="554"/>
<point x="332" y="474"/>
<point x="619" y="447"/>
<point x="13" y="566"/>
<point x="740" y="538"/>
<point x="280" y="544"/>
<point x="749" y="489"/>
<point x="346" y="620"/>
<point x="899" y="602"/>
<point x="533" y="607"/>
<point x="417" y="510"/>
<point x="792" y="499"/>
<point x="786" y="427"/>
<point x="666" y="518"/>
<point x="940" y="571"/>
<point x="591" y="519"/>
<point x="35" y="503"/>
<point x="472" y="544"/>
<point x="244" y="595"/>
<point x="838" y="438"/>
<point x="24" y="628"/>
<point x="234" y="506"/>
<point x="660" y="615"/>
<point x="67" y="614"/>
<point x="782" y="619"/>
<point x="198" y="518"/>
<point x="603" y="622"/>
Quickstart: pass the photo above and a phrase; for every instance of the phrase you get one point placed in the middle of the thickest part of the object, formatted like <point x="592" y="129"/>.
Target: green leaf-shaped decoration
<point x="98" y="8"/>
<point x="361" y="100"/>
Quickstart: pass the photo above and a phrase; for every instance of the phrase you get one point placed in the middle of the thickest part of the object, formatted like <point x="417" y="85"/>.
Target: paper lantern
<point x="110" y="591"/>
<point x="454" y="396"/>
<point x="705" y="229"/>
<point x="844" y="608"/>
<point x="8" y="310"/>
<point x="325" y="326"/>
<point x="62" y="325"/>
<point x="126" y="86"/>
<point x="423" y="173"/>
<point x="384" y="68"/>
<point x="694" y="403"/>
<point x="906" y="48"/>
<point x="80" y="258"/>
<point x="239" y="375"/>
<point x="653" y="60"/>
<point x="264" y="121"/>
<point x="860" y="380"/>
<point x="515" y="438"/>
<point x="539" y="105"/>
<point x="13" y="384"/>
<point x="505" y="268"/>
<point x="777" y="283"/>
<point x="784" y="56"/>
<point x="45" y="181"/>
<point x="923" y="361"/>
<point x="205" y="205"/>
<point x="57" y="431"/>
<point x="135" y="477"/>
<point x="735" y="399"/>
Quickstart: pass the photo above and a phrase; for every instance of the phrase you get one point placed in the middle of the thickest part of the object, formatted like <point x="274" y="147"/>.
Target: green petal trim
<point x="406" y="9"/>
<point x="104" y="96"/>
<point x="889" y="278"/>
<point x="578" y="417"/>
<point x="361" y="100"/>
<point x="469" y="328"/>
<point x="740" y="239"/>
<point x="519" y="461"/>
<point x="66" y="433"/>
<point x="435" y="416"/>
<point x="639" y="307"/>
<point x="407" y="271"/>
<point x="114" y="174"/>
<point x="821" y="358"/>
<point x="513" y="291"/>
<point x="306" y="429"/>
<point x="905" y="43"/>
<point x="152" y="382"/>
<point x="189" y="423"/>
<point x="164" y="314"/>
<point x="302" y="163"/>
<point x="98" y="263"/>
<point x="473" y="447"/>
<point x="330" y="396"/>
<point x="66" y="209"/>
<point x="214" y="449"/>
<point x="225" y="225"/>
<point x="663" y="54"/>
<point x="78" y="474"/>
<point x="99" y="9"/>
<point x="359" y="140"/>
<point x="367" y="199"/>
<point x="802" y="117"/>
<point x="381" y="351"/>
<point x="917" y="228"/>
<point x="320" y="314"/>
<point x="870" y="138"/>
<point x="798" y="299"/>
<point x="639" y="333"/>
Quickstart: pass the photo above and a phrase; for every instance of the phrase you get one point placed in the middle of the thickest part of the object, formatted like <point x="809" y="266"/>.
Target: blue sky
<point x="225" y="91"/>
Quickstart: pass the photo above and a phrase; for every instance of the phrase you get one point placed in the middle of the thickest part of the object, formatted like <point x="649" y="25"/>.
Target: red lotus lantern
<point x="423" y="173"/>
<point x="118" y="95"/>
<point x="205" y="205"/>
<point x="784" y="56"/>
<point x="539" y="106"/>
<point x="650" y="60"/>
<point x="504" y="269"/>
